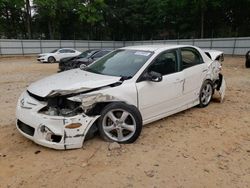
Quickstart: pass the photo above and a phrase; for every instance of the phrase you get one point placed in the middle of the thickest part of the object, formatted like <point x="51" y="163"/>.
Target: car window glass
<point x="62" y="51"/>
<point x="190" y="57"/>
<point x="100" y="54"/>
<point x="66" y="51"/>
<point x="87" y="53"/>
<point x="165" y="63"/>
<point x="71" y="51"/>
<point x="54" y="51"/>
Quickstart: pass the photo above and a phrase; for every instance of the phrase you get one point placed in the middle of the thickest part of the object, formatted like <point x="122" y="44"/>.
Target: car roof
<point x="66" y="49"/>
<point x="155" y="47"/>
<point x="96" y="49"/>
<point x="105" y="50"/>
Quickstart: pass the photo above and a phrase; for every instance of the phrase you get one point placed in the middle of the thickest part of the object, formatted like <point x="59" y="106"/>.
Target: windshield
<point x="87" y="53"/>
<point x="123" y="63"/>
<point x="54" y="51"/>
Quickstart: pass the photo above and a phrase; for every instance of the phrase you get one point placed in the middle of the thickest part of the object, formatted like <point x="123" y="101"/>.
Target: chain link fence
<point x="230" y="46"/>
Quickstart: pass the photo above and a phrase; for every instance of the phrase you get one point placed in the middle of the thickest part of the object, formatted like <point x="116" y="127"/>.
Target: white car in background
<point x="57" y="55"/>
<point x="117" y="94"/>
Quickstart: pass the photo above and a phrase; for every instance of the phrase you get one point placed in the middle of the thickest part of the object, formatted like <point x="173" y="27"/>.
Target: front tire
<point x="120" y="123"/>
<point x="51" y="59"/>
<point x="206" y="93"/>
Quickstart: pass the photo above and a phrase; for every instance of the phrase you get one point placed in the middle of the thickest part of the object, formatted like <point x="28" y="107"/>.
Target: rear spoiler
<point x="214" y="55"/>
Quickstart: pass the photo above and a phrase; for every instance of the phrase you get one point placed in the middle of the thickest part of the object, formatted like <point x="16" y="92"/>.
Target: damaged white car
<point x="117" y="94"/>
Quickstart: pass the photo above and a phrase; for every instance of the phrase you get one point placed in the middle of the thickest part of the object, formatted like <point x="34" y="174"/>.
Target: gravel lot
<point x="208" y="147"/>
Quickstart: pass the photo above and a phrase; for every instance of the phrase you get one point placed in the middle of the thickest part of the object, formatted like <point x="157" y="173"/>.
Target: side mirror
<point x="153" y="76"/>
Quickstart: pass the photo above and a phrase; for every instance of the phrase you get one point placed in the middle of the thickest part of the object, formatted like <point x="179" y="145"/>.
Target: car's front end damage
<point x="54" y="122"/>
<point x="60" y="118"/>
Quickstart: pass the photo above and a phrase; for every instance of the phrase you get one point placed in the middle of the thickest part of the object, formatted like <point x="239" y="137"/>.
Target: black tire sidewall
<point x="247" y="63"/>
<point x="51" y="57"/>
<point x="203" y="85"/>
<point x="129" y="108"/>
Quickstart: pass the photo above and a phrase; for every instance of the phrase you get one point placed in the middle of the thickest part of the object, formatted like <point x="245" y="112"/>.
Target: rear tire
<point x="120" y="123"/>
<point x="247" y="63"/>
<point x="51" y="59"/>
<point x="206" y="93"/>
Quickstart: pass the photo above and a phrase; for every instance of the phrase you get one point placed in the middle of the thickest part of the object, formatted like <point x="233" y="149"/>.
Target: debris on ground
<point x="84" y="164"/>
<point x="114" y="146"/>
<point x="38" y="151"/>
<point x="150" y="173"/>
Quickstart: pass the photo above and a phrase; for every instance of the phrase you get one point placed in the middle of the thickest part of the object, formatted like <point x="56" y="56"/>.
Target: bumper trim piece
<point x="25" y="128"/>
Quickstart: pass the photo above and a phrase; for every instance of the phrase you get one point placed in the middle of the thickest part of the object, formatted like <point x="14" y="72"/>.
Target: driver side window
<point x="165" y="63"/>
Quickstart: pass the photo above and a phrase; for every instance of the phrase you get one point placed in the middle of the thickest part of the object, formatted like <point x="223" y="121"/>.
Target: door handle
<point x="178" y="80"/>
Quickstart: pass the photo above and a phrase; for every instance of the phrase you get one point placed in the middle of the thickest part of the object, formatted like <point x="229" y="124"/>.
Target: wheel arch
<point x="97" y="109"/>
<point x="52" y="57"/>
<point x="200" y="93"/>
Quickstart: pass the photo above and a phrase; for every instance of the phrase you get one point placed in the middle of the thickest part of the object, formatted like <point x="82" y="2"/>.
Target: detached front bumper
<point x="221" y="87"/>
<point x="50" y="131"/>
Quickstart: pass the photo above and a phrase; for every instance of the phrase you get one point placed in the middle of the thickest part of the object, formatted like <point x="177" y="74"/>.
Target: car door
<point x="194" y="70"/>
<point x="158" y="98"/>
<point x="71" y="53"/>
<point x="62" y="54"/>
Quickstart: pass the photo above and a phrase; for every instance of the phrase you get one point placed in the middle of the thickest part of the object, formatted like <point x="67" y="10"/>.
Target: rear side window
<point x="71" y="51"/>
<point x="62" y="51"/>
<point x="190" y="57"/>
<point x="67" y="51"/>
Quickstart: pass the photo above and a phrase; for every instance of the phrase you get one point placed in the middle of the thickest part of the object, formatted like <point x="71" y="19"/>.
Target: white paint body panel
<point x="222" y="90"/>
<point x="71" y="81"/>
<point x="156" y="98"/>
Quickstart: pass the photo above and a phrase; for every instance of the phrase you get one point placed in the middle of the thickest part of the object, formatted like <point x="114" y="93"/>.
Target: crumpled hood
<point x="70" y="82"/>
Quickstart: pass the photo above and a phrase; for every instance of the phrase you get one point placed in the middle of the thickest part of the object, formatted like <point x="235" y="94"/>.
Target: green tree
<point x="124" y="19"/>
<point x="12" y="18"/>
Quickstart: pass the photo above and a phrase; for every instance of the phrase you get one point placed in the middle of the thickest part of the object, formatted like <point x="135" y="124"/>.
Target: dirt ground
<point x="208" y="147"/>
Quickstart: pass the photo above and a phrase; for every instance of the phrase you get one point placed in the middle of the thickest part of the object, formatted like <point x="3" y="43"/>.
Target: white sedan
<point x="57" y="55"/>
<point x="117" y="94"/>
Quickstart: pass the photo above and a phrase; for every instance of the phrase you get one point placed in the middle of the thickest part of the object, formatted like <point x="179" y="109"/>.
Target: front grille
<point x="25" y="128"/>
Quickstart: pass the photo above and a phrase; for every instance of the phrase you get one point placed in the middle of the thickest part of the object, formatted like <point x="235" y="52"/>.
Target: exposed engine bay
<point x="61" y="106"/>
